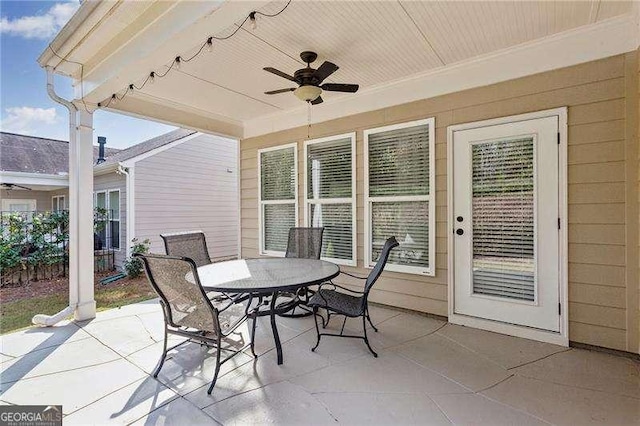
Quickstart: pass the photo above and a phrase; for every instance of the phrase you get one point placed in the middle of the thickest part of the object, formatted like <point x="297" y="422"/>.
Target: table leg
<point x="276" y="337"/>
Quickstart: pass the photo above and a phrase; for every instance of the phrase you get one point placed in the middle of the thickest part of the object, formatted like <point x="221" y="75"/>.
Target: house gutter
<point x="128" y="172"/>
<point x="49" y="320"/>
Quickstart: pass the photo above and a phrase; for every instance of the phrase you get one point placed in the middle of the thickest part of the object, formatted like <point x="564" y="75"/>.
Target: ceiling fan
<point x="310" y="80"/>
<point x="10" y="186"/>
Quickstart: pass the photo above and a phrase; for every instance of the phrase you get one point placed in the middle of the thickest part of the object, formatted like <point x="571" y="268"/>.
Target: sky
<point x="26" y="28"/>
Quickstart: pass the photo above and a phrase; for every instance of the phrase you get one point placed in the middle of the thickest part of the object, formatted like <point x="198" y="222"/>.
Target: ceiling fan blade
<point x="317" y="101"/>
<point x="279" y="73"/>
<point x="275" y="92"/>
<point x="10" y="186"/>
<point x="331" y="87"/>
<point x="325" y="70"/>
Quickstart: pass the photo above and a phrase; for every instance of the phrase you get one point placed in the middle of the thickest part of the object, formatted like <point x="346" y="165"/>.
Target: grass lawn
<point x="17" y="314"/>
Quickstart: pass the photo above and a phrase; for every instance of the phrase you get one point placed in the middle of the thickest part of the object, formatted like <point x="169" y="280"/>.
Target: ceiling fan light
<point x="307" y="93"/>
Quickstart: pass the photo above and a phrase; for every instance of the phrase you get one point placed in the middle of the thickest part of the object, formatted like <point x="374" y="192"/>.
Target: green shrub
<point x="133" y="266"/>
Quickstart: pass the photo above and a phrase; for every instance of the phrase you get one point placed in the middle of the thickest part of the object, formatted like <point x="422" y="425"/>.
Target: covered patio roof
<point x="396" y="51"/>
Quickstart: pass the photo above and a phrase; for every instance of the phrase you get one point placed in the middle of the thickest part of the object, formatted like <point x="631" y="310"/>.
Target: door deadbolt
<point x="459" y="231"/>
<point x="459" y="219"/>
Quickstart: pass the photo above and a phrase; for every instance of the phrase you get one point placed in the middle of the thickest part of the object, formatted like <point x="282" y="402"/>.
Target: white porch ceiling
<point x="373" y="42"/>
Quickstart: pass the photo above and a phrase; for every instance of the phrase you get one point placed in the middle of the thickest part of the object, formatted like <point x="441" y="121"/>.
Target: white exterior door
<point x="505" y="222"/>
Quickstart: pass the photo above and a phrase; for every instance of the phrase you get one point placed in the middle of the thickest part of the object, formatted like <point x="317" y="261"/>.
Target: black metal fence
<point x="34" y="245"/>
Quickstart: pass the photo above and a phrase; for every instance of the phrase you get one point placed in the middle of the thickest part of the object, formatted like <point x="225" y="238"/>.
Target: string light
<point x="179" y="60"/>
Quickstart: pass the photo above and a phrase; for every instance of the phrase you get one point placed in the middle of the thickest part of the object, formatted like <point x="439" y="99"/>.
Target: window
<point x="58" y="202"/>
<point x="277" y="183"/>
<point x="26" y="207"/>
<point x="15" y="205"/>
<point x="108" y="222"/>
<point x="114" y="219"/>
<point x="400" y="195"/>
<point x="100" y="219"/>
<point x="329" y="188"/>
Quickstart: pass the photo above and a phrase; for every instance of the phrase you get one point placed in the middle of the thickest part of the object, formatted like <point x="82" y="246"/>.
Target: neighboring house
<point x="178" y="181"/>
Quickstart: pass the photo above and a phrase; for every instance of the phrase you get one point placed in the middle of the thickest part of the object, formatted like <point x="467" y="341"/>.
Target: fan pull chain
<point x="308" y="120"/>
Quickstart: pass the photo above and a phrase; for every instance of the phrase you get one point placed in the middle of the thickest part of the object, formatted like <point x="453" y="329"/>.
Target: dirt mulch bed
<point x="15" y="292"/>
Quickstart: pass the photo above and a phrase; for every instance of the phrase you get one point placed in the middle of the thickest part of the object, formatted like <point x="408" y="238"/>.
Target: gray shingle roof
<point x="146" y="146"/>
<point x="30" y="154"/>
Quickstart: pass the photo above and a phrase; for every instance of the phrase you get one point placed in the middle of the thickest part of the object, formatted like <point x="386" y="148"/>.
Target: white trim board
<point x="561" y="338"/>
<point x="584" y="44"/>
<point x="40" y="179"/>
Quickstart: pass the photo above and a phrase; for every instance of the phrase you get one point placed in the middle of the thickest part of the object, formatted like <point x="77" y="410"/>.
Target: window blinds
<point x="330" y="192"/>
<point x="337" y="239"/>
<point x="278" y="218"/>
<point x="400" y="195"/>
<point x="277" y="175"/>
<point x="409" y="222"/>
<point x="503" y="219"/>
<point x="329" y="169"/>
<point x="399" y="162"/>
<point x="277" y="197"/>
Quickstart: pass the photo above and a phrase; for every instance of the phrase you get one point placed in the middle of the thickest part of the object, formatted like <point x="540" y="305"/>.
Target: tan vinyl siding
<point x="190" y="186"/>
<point x="598" y="184"/>
<point x="109" y="182"/>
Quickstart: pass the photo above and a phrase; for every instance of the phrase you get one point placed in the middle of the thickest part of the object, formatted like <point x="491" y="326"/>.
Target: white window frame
<point x="107" y="202"/>
<point x="55" y="202"/>
<point x="262" y="203"/>
<point x="351" y="200"/>
<point x="431" y="199"/>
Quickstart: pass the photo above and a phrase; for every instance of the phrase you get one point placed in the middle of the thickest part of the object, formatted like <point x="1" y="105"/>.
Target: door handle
<point x="459" y="231"/>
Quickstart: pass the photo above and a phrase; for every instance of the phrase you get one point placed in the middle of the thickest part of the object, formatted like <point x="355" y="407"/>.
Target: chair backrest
<point x="184" y="301"/>
<point x="305" y="243"/>
<point x="389" y="245"/>
<point x="191" y="244"/>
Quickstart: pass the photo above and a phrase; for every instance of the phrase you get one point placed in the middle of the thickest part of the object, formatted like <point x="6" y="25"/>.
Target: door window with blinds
<point x="278" y="183"/>
<point x="503" y="218"/>
<point x="329" y="188"/>
<point x="400" y="195"/>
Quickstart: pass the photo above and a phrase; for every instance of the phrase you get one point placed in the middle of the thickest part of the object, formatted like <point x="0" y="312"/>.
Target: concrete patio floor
<point x="428" y="372"/>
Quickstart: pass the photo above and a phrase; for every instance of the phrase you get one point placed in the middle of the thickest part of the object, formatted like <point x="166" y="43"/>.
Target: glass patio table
<point x="262" y="277"/>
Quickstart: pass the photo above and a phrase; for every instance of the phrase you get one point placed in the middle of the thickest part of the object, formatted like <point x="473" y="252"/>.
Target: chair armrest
<point x="339" y="286"/>
<point x="227" y="306"/>
<point x="353" y="276"/>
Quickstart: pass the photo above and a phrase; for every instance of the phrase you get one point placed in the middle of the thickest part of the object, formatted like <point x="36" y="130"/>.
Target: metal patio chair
<point x="189" y="313"/>
<point x="191" y="244"/>
<point x="302" y="243"/>
<point x="351" y="305"/>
